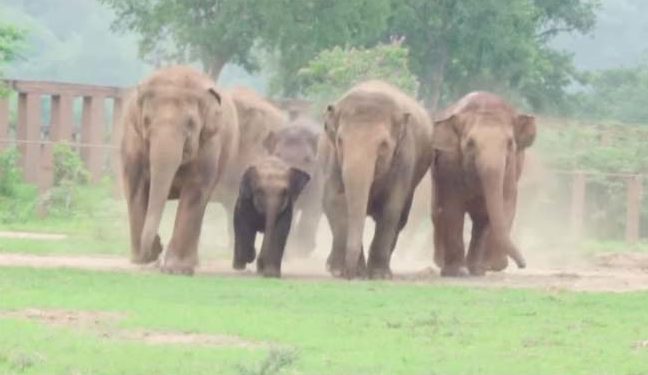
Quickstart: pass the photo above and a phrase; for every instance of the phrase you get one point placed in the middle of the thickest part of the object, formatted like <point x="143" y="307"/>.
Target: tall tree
<point x="11" y="39"/>
<point x="213" y="32"/>
<point x="297" y="30"/>
<point x="457" y="45"/>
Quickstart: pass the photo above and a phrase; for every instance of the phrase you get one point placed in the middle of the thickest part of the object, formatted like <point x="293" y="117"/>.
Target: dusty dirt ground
<point x="610" y="273"/>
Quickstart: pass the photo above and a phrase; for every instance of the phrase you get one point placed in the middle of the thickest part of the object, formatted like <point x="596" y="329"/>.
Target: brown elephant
<point x="269" y="189"/>
<point x="378" y="151"/>
<point x="297" y="144"/>
<point x="479" y="145"/>
<point x="258" y="119"/>
<point x="179" y="133"/>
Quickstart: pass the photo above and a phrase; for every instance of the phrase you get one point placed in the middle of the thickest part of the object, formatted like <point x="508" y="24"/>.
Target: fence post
<point x="633" y="209"/>
<point x="92" y="133"/>
<point x="579" y="188"/>
<point x="115" y="162"/>
<point x="4" y="122"/>
<point x="29" y="130"/>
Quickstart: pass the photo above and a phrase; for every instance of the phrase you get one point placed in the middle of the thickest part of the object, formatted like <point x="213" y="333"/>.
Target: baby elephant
<point x="268" y="190"/>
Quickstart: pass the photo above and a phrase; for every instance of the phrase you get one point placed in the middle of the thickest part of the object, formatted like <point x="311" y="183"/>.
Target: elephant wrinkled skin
<point x="479" y="146"/>
<point x="378" y="149"/>
<point x="179" y="133"/>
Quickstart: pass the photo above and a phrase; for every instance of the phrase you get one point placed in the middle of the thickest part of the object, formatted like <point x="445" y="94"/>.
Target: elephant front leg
<point x="448" y="220"/>
<point x="477" y="247"/>
<point x="335" y="212"/>
<point x="182" y="255"/>
<point x="274" y="244"/>
<point x="137" y="196"/>
<point x="245" y="233"/>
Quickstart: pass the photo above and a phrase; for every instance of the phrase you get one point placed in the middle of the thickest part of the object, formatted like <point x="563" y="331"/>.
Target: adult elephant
<point x="179" y="133"/>
<point x="479" y="149"/>
<point x="379" y="149"/>
<point x="258" y="120"/>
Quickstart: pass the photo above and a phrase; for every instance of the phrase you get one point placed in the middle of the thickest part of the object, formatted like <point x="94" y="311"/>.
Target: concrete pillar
<point x="29" y="130"/>
<point x="92" y="130"/>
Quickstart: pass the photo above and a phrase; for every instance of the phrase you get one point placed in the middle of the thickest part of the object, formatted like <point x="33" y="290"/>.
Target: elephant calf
<point x="267" y="193"/>
<point x="297" y="145"/>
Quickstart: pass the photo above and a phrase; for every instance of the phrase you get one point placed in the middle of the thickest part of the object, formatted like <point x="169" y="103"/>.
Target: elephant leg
<point x="497" y="259"/>
<point x="448" y="222"/>
<point x="335" y="211"/>
<point x="137" y="196"/>
<point x="244" y="237"/>
<point x="477" y="247"/>
<point x="182" y="254"/>
<point x="271" y="255"/>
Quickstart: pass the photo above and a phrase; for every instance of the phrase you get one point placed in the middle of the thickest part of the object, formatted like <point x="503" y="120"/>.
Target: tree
<point x="297" y="30"/>
<point x="459" y="45"/>
<point x="213" y="32"/>
<point x="334" y="71"/>
<point x="11" y="40"/>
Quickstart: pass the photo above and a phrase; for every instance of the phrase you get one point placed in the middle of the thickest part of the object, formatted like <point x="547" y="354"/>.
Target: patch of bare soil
<point x="33" y="236"/>
<point x="105" y="325"/>
<point x="608" y="273"/>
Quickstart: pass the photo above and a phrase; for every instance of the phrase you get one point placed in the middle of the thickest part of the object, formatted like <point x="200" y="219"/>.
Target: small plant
<point x="18" y="199"/>
<point x="276" y="361"/>
<point x="69" y="175"/>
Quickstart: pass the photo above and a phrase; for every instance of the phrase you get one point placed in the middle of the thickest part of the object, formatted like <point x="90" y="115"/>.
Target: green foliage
<point x="620" y="94"/>
<point x="334" y="71"/>
<point x="18" y="200"/>
<point x="11" y="41"/>
<point x="274" y="364"/>
<point x="62" y="200"/>
<point x="213" y="32"/>
<point x="459" y="46"/>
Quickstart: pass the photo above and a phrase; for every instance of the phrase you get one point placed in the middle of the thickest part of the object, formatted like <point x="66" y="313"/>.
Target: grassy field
<point x="316" y="328"/>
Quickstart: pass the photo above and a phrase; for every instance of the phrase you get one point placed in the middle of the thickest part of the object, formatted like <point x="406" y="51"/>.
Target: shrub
<point x="18" y="200"/>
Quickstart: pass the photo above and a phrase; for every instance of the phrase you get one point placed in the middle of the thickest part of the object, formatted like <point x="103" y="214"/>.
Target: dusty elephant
<point x="479" y="149"/>
<point x="297" y="144"/>
<point x="378" y="149"/>
<point x="179" y="132"/>
<point x="258" y="119"/>
<point x="265" y="203"/>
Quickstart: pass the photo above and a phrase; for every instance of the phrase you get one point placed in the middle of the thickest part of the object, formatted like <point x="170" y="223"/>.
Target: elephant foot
<point x="239" y="266"/>
<point x="380" y="273"/>
<point x="454" y="271"/>
<point x="175" y="266"/>
<point x="270" y="271"/>
<point x="335" y="266"/>
<point x="477" y="270"/>
<point x="148" y="257"/>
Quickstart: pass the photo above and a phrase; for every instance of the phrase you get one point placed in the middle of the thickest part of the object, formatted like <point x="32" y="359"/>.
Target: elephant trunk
<point x="492" y="177"/>
<point x="165" y="156"/>
<point x="357" y="174"/>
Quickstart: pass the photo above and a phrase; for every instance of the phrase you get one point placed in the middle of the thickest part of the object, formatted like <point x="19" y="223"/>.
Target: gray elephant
<point x="268" y="191"/>
<point x="179" y="133"/>
<point x="378" y="149"/>
<point x="479" y="147"/>
<point x="297" y="144"/>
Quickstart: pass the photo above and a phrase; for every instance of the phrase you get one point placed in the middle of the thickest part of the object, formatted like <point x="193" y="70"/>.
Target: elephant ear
<point x="249" y="183"/>
<point x="298" y="179"/>
<point x="330" y="120"/>
<point x="211" y="106"/>
<point x="447" y="133"/>
<point x="525" y="131"/>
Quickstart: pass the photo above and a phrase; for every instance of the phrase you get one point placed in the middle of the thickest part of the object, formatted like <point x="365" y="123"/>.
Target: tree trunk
<point x="435" y="79"/>
<point x="214" y="66"/>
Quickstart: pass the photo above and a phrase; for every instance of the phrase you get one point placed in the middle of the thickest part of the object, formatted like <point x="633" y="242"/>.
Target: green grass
<point x="332" y="327"/>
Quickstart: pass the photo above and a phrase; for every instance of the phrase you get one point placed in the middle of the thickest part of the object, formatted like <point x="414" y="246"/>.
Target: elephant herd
<point x="185" y="138"/>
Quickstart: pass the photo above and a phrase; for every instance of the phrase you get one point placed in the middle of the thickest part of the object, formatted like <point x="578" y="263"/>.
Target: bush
<point x="18" y="200"/>
<point x="334" y="71"/>
<point x="69" y="174"/>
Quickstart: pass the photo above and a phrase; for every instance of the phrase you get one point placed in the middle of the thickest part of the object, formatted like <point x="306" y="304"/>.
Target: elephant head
<point x="296" y="145"/>
<point x="488" y="137"/>
<point x="365" y="129"/>
<point x="173" y="124"/>
<point x="273" y="187"/>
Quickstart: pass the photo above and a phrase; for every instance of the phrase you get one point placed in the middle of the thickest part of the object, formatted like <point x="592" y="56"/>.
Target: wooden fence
<point x="35" y="138"/>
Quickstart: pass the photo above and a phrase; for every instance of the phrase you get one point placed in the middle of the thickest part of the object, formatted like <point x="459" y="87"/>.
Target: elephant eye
<point x="471" y="143"/>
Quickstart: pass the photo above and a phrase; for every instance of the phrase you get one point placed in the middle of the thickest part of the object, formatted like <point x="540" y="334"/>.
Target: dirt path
<point x="613" y="273"/>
